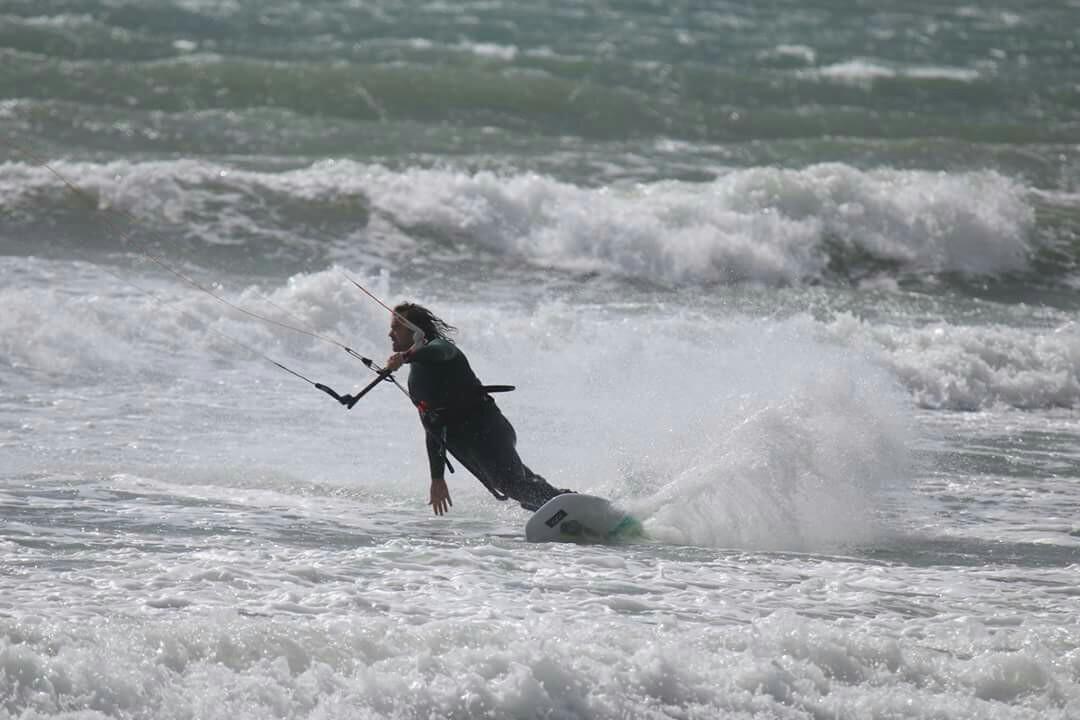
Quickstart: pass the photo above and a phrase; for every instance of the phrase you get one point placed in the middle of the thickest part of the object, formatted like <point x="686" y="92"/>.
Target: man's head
<point x="408" y="315"/>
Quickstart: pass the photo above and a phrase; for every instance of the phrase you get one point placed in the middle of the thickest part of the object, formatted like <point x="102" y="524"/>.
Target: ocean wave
<point x="826" y="223"/>
<point x="110" y="325"/>
<point x="452" y="87"/>
<point x="527" y="91"/>
<point x="762" y="225"/>
<point x="86" y="323"/>
<point x="194" y="211"/>
<point x="948" y="366"/>
<point x="865" y="71"/>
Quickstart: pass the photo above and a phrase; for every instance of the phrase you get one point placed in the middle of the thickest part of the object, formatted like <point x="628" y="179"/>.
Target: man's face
<point x="400" y="335"/>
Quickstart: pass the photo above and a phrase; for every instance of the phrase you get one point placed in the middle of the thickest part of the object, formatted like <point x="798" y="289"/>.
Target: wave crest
<point x="827" y="223"/>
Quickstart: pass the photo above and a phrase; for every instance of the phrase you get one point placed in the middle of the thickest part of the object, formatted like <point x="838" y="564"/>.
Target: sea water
<point x="795" y="284"/>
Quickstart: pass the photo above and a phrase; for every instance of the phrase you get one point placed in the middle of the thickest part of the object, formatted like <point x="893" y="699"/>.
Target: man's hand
<point x="394" y="362"/>
<point x="440" y="496"/>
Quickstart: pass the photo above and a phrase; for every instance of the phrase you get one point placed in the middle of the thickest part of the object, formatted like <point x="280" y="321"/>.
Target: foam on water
<point x="585" y="634"/>
<point x="108" y="327"/>
<point x="864" y="71"/>
<point x="763" y="225"/>
<point x="964" y="367"/>
<point x="752" y="450"/>
<point x="748" y="449"/>
<point x="793" y="283"/>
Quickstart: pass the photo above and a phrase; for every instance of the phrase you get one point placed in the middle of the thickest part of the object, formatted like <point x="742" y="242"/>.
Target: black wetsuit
<point x="462" y="419"/>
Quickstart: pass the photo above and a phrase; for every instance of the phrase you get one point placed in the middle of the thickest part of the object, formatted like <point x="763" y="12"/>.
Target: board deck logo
<point x="554" y="519"/>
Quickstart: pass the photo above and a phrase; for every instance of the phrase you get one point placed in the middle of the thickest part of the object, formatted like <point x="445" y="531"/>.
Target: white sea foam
<point x="494" y="51"/>
<point x="764" y="225"/>
<point x="864" y="71"/>
<point x="751" y="449"/>
<point x="793" y="54"/>
<point x="462" y="632"/>
<point x="186" y="531"/>
<point x="102" y="329"/>
<point x="961" y="367"/>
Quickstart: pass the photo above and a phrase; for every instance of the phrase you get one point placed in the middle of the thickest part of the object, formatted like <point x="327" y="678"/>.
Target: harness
<point x="431" y="418"/>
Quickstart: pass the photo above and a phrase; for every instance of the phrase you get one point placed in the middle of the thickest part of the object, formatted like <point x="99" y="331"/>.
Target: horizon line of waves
<point x="616" y="102"/>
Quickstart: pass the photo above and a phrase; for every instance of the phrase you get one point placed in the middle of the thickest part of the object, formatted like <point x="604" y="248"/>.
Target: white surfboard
<point x="573" y="517"/>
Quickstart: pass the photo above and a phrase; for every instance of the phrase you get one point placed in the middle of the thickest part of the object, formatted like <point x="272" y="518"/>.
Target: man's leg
<point x="531" y="490"/>
<point x="490" y="455"/>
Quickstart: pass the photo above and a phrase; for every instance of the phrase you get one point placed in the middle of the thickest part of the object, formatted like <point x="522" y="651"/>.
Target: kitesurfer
<point x="458" y="413"/>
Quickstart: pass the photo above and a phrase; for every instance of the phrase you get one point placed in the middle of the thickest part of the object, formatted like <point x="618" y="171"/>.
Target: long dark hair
<point x="432" y="325"/>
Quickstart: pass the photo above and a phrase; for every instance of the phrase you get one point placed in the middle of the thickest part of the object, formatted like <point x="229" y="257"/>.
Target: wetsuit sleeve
<point x="435" y="452"/>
